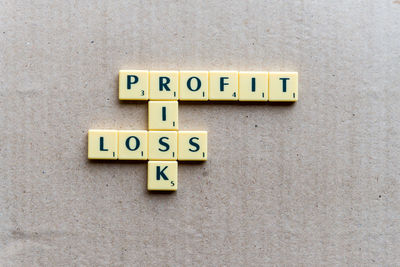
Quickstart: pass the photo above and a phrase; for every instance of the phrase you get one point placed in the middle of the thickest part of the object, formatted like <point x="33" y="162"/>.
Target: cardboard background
<point x="306" y="184"/>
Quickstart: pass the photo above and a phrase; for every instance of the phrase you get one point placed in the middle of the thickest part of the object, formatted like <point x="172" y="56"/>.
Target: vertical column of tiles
<point x="164" y="85"/>
<point x="103" y="144"/>
<point x="223" y="85"/>
<point x="283" y="86"/>
<point x="163" y="145"/>
<point x="253" y="86"/>
<point x="193" y="85"/>
<point x="132" y="145"/>
<point x="133" y="84"/>
<point x="163" y="115"/>
<point x="192" y="145"/>
<point x="162" y="175"/>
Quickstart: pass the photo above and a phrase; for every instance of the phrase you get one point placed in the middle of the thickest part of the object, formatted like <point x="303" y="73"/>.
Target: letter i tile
<point x="163" y="115"/>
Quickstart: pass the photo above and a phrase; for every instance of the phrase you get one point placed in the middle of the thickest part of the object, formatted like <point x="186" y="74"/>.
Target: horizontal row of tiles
<point x="147" y="145"/>
<point x="208" y="85"/>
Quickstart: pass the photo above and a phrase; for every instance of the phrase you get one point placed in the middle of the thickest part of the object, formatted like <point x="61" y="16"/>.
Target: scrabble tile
<point x="193" y="85"/>
<point x="223" y="85"/>
<point x="162" y="175"/>
<point x="253" y="86"/>
<point x="133" y="84"/>
<point x="192" y="145"/>
<point x="103" y="144"/>
<point x="163" y="115"/>
<point x="164" y="85"/>
<point x="163" y="145"/>
<point x="132" y="145"/>
<point x="283" y="86"/>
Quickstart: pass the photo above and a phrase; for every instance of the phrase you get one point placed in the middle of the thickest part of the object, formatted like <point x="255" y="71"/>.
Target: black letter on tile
<point x="253" y="84"/>
<point x="136" y="140"/>
<point x="160" y="173"/>
<point x="284" y="83"/>
<point x="164" y="113"/>
<point x="222" y="83"/>
<point x="164" y="81"/>
<point x="197" y="147"/>
<point x="189" y="84"/>
<point x="102" y="144"/>
<point x="163" y="144"/>
<point x="129" y="81"/>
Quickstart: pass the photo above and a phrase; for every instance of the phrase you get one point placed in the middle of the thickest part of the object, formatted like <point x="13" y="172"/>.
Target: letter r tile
<point x="164" y="85"/>
<point x="162" y="176"/>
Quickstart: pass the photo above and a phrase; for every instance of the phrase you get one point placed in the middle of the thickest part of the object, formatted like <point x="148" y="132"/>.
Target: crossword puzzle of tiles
<point x="163" y="144"/>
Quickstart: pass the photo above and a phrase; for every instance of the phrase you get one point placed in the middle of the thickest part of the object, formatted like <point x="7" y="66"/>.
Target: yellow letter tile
<point x="253" y="86"/>
<point x="163" y="115"/>
<point x="132" y="145"/>
<point x="163" y="145"/>
<point x="162" y="175"/>
<point x="223" y="85"/>
<point x="283" y="86"/>
<point x="103" y="144"/>
<point x="164" y="85"/>
<point x="133" y="84"/>
<point x="193" y="85"/>
<point x="192" y="145"/>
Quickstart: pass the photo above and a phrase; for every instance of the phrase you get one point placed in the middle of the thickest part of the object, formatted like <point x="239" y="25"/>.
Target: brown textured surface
<point x="315" y="183"/>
